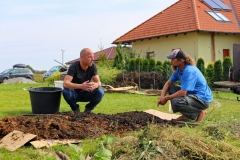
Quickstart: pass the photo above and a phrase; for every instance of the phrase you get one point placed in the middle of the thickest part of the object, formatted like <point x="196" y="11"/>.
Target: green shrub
<point x="139" y="61"/>
<point x="167" y="70"/>
<point x="54" y="77"/>
<point x="227" y="63"/>
<point x="145" y="65"/>
<point x="108" y="74"/>
<point x="132" y="65"/>
<point x="218" y="71"/>
<point x="209" y="74"/>
<point x="151" y="64"/>
<point x="200" y="65"/>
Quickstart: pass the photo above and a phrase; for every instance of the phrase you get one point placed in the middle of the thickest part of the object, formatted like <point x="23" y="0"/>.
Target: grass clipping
<point x="173" y="143"/>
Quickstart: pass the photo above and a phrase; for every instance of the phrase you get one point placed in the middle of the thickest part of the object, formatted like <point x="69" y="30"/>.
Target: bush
<point x="132" y="65"/>
<point x="151" y="64"/>
<point x="139" y="61"/>
<point x="227" y="63"/>
<point x="148" y="80"/>
<point x="218" y="71"/>
<point x="200" y="65"/>
<point x="209" y="74"/>
<point x="108" y="74"/>
<point x="145" y="65"/>
<point x="167" y="70"/>
<point x="54" y="77"/>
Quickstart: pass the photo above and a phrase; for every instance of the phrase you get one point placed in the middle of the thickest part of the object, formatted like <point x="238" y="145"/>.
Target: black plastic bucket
<point x="45" y="100"/>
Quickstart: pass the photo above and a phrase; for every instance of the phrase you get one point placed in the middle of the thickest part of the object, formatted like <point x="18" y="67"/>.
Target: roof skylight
<point x="216" y="5"/>
<point x="218" y="16"/>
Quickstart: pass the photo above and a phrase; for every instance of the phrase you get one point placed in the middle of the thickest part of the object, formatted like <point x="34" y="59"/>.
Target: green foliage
<point x="158" y="67"/>
<point x="102" y="57"/>
<point x="167" y="70"/>
<point x="209" y="75"/>
<point x="218" y="71"/>
<point x="118" y="59"/>
<point x="54" y="77"/>
<point x="107" y="74"/>
<point x="145" y="65"/>
<point x="227" y="63"/>
<point x="103" y="154"/>
<point x="151" y="64"/>
<point x="139" y="61"/>
<point x="132" y="65"/>
<point x="200" y="65"/>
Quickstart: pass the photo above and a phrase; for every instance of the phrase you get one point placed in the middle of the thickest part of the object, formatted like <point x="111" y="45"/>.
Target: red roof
<point x="182" y="17"/>
<point x="109" y="52"/>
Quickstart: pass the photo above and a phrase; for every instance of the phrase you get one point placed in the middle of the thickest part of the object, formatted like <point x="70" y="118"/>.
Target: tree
<point x="151" y="64"/>
<point x="167" y="71"/>
<point x="145" y="65"/>
<point x="227" y="63"/>
<point x="218" y="71"/>
<point x="118" y="59"/>
<point x="200" y="65"/>
<point x="209" y="75"/>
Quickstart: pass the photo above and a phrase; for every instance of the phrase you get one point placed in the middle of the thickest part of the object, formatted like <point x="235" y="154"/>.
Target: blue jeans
<point x="74" y="96"/>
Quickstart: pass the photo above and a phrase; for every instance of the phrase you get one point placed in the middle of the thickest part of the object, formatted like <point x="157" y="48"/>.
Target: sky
<point x="40" y="32"/>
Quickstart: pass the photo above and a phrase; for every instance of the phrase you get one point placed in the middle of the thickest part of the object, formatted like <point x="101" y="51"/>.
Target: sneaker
<point x="87" y="110"/>
<point x="76" y="110"/>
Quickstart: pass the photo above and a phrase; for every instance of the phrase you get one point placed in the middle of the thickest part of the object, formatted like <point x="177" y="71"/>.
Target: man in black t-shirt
<point x="82" y="83"/>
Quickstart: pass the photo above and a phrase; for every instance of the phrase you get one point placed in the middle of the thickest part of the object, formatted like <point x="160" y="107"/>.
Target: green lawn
<point x="220" y="128"/>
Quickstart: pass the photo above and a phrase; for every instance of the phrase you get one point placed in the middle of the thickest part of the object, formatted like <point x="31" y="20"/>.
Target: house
<point x="202" y="28"/>
<point x="109" y="52"/>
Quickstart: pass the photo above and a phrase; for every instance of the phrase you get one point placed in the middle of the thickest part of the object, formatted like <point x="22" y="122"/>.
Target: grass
<point x="218" y="136"/>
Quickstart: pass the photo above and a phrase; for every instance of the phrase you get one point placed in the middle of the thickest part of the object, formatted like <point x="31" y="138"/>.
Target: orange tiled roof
<point x="110" y="53"/>
<point x="182" y="17"/>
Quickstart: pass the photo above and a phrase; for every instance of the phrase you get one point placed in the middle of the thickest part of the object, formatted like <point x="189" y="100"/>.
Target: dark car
<point x="53" y="70"/>
<point x="18" y="70"/>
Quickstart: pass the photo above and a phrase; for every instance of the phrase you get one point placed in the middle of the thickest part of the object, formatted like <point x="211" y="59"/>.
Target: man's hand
<point x="89" y="86"/>
<point x="162" y="101"/>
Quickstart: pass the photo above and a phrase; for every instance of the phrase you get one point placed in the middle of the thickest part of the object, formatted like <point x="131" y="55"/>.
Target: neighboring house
<point x="109" y="52"/>
<point x="202" y="28"/>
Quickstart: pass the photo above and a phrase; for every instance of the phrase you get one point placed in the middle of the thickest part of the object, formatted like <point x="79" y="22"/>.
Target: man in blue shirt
<point x="194" y="96"/>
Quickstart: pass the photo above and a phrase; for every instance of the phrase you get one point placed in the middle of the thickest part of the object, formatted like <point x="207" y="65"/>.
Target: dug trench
<point x="67" y="125"/>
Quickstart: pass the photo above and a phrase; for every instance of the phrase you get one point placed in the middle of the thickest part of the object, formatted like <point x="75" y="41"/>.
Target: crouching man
<point x="193" y="97"/>
<point x="82" y="83"/>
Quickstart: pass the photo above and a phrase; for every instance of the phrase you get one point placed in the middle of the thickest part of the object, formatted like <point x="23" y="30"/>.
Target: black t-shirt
<point x="79" y="75"/>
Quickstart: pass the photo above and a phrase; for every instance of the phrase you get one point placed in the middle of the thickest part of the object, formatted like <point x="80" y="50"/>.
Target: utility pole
<point x="62" y="55"/>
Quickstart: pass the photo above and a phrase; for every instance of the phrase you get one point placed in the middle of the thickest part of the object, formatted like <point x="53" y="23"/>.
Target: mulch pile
<point x="68" y="125"/>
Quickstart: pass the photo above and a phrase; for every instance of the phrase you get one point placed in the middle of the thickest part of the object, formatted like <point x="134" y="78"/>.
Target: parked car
<point x="18" y="70"/>
<point x="53" y="70"/>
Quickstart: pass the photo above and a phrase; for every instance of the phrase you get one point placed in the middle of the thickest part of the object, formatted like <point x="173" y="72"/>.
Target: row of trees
<point x="127" y="61"/>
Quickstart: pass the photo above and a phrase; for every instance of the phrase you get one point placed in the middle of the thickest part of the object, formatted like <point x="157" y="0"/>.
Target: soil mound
<point x="67" y="125"/>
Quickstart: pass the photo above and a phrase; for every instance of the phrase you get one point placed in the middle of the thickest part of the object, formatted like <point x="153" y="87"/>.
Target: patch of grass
<point x="218" y="136"/>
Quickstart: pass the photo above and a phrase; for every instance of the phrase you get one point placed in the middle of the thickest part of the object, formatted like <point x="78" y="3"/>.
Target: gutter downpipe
<point x="213" y="46"/>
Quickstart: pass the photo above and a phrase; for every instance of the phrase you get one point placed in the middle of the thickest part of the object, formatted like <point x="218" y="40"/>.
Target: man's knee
<point x="67" y="93"/>
<point x="100" y="93"/>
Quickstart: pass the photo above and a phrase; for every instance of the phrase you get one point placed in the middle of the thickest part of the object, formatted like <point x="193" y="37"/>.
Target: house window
<point x="150" y="55"/>
<point x="218" y="16"/>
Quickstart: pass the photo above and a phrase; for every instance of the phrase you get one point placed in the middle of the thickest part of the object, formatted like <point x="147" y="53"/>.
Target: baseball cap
<point x="177" y="53"/>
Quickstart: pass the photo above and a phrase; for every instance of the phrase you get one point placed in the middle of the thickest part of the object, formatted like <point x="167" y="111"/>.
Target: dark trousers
<point x="73" y="96"/>
<point x="190" y="105"/>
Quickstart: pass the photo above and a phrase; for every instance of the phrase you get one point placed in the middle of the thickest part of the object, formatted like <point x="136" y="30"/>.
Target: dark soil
<point x="68" y="125"/>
